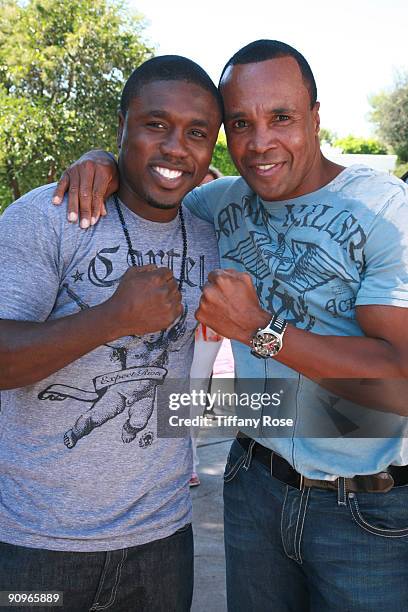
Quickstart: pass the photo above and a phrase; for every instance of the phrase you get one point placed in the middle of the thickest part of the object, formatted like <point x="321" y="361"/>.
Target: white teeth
<point x="168" y="174"/>
<point x="266" y="166"/>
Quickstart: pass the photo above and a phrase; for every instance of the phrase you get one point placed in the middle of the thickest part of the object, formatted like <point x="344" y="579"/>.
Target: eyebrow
<point x="273" y="111"/>
<point x="157" y="113"/>
<point x="200" y="122"/>
<point x="165" y="115"/>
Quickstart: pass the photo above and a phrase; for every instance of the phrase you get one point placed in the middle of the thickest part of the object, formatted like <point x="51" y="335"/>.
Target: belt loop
<point x="341" y="491"/>
<point x="247" y="462"/>
<point x="271" y="466"/>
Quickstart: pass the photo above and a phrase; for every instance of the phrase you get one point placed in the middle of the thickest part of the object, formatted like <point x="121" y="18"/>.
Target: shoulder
<point x="200" y="228"/>
<point x="206" y="200"/>
<point x="201" y="238"/>
<point x="222" y="189"/>
<point x="36" y="221"/>
<point x="37" y="198"/>
<point x="35" y="208"/>
<point x="373" y="189"/>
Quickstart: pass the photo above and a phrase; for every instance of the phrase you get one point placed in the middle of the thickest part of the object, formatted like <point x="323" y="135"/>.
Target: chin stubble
<point x="155" y="204"/>
<point x="151" y="201"/>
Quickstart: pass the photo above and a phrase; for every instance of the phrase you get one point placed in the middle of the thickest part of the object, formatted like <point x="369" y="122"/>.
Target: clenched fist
<point x="147" y="300"/>
<point x="230" y="306"/>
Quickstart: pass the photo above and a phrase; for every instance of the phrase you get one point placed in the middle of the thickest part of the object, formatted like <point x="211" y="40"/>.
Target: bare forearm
<point x="147" y="300"/>
<point x="318" y="356"/>
<point x="32" y="351"/>
<point x="230" y="305"/>
<point x="366" y="371"/>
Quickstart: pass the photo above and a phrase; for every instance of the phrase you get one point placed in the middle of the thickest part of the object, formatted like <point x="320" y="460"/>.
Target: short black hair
<point x="167" y="68"/>
<point x="262" y="50"/>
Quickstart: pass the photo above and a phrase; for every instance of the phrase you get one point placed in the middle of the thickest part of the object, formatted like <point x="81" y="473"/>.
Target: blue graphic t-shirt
<point x="313" y="259"/>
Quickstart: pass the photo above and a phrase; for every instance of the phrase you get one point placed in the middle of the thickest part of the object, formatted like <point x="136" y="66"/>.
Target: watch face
<point x="266" y="344"/>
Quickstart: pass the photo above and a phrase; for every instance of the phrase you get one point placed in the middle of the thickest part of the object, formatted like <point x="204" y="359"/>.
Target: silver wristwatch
<point x="267" y="342"/>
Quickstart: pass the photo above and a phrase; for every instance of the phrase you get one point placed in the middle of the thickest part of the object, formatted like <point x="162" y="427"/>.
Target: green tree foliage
<point x="62" y="67"/>
<point x="390" y="114"/>
<point x="221" y="157"/>
<point x="352" y="144"/>
<point x="401" y="169"/>
<point x="326" y="135"/>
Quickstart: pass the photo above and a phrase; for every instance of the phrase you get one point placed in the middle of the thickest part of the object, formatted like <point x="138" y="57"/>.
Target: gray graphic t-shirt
<point x="81" y="466"/>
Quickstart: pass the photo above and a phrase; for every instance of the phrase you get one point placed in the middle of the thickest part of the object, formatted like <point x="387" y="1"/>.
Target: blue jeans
<point x="153" y="577"/>
<point x="311" y="550"/>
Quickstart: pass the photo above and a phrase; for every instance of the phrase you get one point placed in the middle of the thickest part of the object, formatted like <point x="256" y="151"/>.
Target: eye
<point x="281" y="118"/>
<point x="198" y="133"/>
<point x="156" y="124"/>
<point x="239" y="124"/>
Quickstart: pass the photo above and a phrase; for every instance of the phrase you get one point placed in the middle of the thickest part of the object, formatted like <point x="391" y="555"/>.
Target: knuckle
<point x="209" y="292"/>
<point x="166" y="272"/>
<point x="88" y="164"/>
<point x="158" y="279"/>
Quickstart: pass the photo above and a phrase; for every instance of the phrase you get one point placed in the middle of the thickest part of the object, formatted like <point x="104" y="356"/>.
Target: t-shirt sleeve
<point x="29" y="262"/>
<point x="196" y="202"/>
<point x="385" y="279"/>
<point x="206" y="201"/>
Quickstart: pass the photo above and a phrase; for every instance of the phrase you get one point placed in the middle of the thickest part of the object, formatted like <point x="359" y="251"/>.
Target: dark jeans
<point x="311" y="550"/>
<point x="153" y="577"/>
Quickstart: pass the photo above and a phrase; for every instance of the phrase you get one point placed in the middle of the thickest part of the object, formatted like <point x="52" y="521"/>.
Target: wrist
<point x="258" y="320"/>
<point x="110" y="320"/>
<point x="267" y="341"/>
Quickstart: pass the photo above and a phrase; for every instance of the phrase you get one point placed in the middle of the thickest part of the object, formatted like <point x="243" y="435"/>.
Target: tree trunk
<point x="51" y="173"/>
<point x="13" y="182"/>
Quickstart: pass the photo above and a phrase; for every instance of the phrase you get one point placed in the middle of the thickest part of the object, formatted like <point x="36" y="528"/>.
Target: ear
<point x="316" y="117"/>
<point x="121" y="125"/>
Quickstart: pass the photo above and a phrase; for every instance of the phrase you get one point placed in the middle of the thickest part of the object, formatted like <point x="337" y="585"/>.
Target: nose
<point x="173" y="144"/>
<point x="262" y="139"/>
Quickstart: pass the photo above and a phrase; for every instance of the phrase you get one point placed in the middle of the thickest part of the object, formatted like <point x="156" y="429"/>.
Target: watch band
<point x="277" y="325"/>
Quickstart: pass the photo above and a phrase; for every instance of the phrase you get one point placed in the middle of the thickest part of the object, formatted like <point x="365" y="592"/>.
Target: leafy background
<point x="63" y="64"/>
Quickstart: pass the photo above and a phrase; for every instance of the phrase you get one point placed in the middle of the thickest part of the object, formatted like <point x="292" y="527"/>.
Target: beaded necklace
<point x="130" y="246"/>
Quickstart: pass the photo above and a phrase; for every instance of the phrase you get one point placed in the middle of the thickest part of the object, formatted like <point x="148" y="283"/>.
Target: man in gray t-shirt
<point x="91" y="323"/>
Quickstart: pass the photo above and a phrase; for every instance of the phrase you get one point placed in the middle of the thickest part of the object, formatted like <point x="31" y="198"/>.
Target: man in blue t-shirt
<point x="315" y="283"/>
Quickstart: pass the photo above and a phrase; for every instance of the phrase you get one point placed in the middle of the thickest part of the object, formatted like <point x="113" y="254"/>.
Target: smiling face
<point x="166" y="142"/>
<point x="272" y="131"/>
